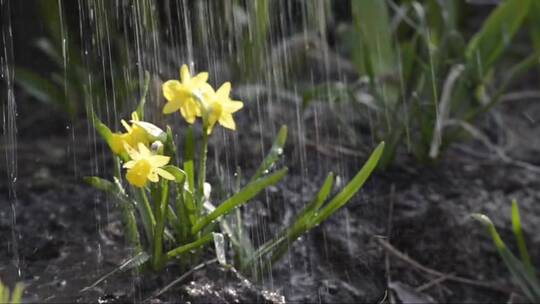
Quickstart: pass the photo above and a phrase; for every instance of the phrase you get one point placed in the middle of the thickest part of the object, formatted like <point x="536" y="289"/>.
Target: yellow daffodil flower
<point x="182" y="95"/>
<point x="135" y="134"/>
<point x="145" y="166"/>
<point x="220" y="108"/>
<point x="138" y="132"/>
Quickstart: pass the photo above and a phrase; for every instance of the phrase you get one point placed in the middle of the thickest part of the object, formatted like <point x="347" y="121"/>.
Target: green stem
<point x="130" y="223"/>
<point x="147" y="214"/>
<point x="161" y="210"/>
<point x="184" y="226"/>
<point x="202" y="170"/>
<point x="117" y="169"/>
<point x="128" y="218"/>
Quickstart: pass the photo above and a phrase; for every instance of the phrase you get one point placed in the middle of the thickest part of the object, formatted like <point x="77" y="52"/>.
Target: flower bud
<point x="157" y="147"/>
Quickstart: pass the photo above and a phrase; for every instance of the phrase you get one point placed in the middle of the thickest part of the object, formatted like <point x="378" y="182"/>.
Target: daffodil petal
<point x="224" y="90"/>
<point x="129" y="164"/>
<point x="163" y="173"/>
<point x="206" y="90"/>
<point x="153" y="177"/>
<point x="143" y="150"/>
<point x="173" y="90"/>
<point x="171" y="107"/>
<point x="126" y="125"/>
<point x="133" y="154"/>
<point x="150" y="129"/>
<point x="200" y="78"/>
<point x="185" y="76"/>
<point x="190" y="110"/>
<point x="232" y="106"/>
<point x="227" y="121"/>
<point x="159" y="160"/>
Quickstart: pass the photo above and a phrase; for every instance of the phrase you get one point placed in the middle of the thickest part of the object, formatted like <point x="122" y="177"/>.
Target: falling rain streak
<point x="9" y="121"/>
<point x="292" y="62"/>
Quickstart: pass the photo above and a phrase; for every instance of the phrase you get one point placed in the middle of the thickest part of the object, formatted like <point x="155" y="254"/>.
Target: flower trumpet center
<point x="138" y="174"/>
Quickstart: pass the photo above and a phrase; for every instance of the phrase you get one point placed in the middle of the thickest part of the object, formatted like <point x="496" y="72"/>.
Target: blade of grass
<point x="244" y="195"/>
<point x="189" y="169"/>
<point x="518" y="232"/>
<point x="534" y="24"/>
<point x="321" y="196"/>
<point x="351" y="188"/>
<point x="16" y="296"/>
<point x="299" y="226"/>
<point x="509" y="78"/>
<point x="191" y="246"/>
<point x="189" y="154"/>
<point x="39" y="87"/>
<point x="131" y="263"/>
<point x="126" y="206"/>
<point x="157" y="259"/>
<point x="312" y="216"/>
<point x="488" y="44"/>
<point x="142" y="102"/>
<point x="528" y="284"/>
<point x="170" y="147"/>
<point x="103" y="130"/>
<point x="254" y="41"/>
<point x="372" y="23"/>
<point x="4" y="293"/>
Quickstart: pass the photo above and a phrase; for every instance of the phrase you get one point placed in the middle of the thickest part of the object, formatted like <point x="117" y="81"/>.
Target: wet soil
<point x="69" y="235"/>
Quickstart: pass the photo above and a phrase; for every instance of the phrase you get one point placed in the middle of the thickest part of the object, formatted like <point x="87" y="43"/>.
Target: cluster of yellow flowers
<point x="193" y="97"/>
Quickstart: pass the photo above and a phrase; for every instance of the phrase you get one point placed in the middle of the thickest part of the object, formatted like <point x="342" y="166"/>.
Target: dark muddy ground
<point x="69" y="235"/>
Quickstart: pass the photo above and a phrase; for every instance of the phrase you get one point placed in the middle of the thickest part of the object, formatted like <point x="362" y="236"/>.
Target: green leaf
<point x="170" y="146"/>
<point x="351" y="188"/>
<point x="100" y="184"/>
<point x="244" y="195"/>
<point x="496" y="33"/>
<point x="278" y="245"/>
<point x="254" y="41"/>
<point x="372" y="23"/>
<point x="189" y="169"/>
<point x="142" y="102"/>
<point x="191" y="246"/>
<point x="160" y="215"/>
<point x="273" y="155"/>
<point x="313" y="215"/>
<point x="189" y="155"/>
<point x="534" y="23"/>
<point x="179" y="174"/>
<point x="103" y="130"/>
<point x="511" y="75"/>
<point x="330" y="92"/>
<point x="39" y="87"/>
<point x="321" y="196"/>
<point x="131" y="263"/>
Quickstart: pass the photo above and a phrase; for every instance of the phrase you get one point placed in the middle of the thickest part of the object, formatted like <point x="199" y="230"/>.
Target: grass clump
<point x="521" y="268"/>
<point x="427" y="81"/>
<point x="168" y="211"/>
<point x="11" y="297"/>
